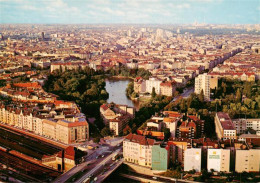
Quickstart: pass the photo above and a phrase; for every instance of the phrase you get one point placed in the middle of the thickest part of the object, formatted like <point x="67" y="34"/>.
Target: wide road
<point x="91" y="160"/>
<point x="108" y="169"/>
<point x="98" y="166"/>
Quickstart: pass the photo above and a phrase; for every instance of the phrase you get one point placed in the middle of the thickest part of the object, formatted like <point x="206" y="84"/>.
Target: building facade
<point x="192" y="159"/>
<point x="225" y="129"/>
<point x="247" y="160"/>
<point x="202" y="82"/>
<point x="218" y="160"/>
<point x="137" y="149"/>
<point x="159" y="158"/>
<point x="242" y="124"/>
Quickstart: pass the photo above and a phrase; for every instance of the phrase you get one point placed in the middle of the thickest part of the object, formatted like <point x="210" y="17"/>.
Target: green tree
<point x="153" y="94"/>
<point x="224" y="88"/>
<point x="238" y="95"/>
<point x="201" y="96"/>
<point x="105" y="132"/>
<point x="96" y="140"/>
<point x="183" y="105"/>
<point x="130" y="89"/>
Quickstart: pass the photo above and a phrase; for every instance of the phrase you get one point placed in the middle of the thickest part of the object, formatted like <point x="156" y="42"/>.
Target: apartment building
<point x="160" y="157"/>
<point x="177" y="148"/>
<point x="242" y="124"/>
<point x="139" y="85"/>
<point x="169" y="120"/>
<point x="218" y="160"/>
<point x="118" y="124"/>
<point x="167" y="88"/>
<point x="247" y="160"/>
<point x="171" y="124"/>
<point x="153" y="83"/>
<point x="137" y="149"/>
<point x="116" y="116"/>
<point x="225" y="129"/>
<point x="66" y="129"/>
<point x="192" y="159"/>
<point x="187" y="129"/>
<point x="202" y="82"/>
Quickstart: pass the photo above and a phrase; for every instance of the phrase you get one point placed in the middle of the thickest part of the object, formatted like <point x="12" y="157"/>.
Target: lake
<point x="116" y="89"/>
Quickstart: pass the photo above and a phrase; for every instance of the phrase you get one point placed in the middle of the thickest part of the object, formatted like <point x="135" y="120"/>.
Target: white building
<point x="242" y="124"/>
<point x="137" y="149"/>
<point x="153" y="83"/>
<point x="219" y="160"/>
<point x="192" y="159"/>
<point x="247" y="160"/>
<point x="171" y="124"/>
<point x="202" y="82"/>
<point x="225" y="129"/>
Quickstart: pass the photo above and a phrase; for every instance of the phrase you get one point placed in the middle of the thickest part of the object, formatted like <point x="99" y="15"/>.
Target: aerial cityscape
<point x="129" y="91"/>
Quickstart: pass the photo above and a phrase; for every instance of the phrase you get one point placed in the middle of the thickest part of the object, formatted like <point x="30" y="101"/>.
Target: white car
<point x="95" y="179"/>
<point x="155" y="178"/>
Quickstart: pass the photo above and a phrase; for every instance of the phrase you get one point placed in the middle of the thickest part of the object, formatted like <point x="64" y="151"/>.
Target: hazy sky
<point x="130" y="11"/>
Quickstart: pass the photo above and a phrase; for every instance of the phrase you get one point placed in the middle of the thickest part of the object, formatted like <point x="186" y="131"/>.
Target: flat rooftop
<point x="225" y="121"/>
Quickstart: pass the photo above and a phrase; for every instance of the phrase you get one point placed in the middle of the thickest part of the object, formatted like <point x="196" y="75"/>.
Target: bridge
<point x="103" y="169"/>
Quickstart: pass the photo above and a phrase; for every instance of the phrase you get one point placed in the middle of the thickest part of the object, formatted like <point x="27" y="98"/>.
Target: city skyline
<point x="130" y="11"/>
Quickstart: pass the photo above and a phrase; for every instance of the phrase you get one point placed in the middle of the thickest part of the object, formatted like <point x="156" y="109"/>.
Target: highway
<point x="98" y="166"/>
<point x="93" y="160"/>
<point x="111" y="167"/>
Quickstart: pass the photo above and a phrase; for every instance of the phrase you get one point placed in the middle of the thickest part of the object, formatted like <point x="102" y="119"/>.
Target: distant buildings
<point x="166" y="88"/>
<point x="63" y="66"/>
<point x="225" y="129"/>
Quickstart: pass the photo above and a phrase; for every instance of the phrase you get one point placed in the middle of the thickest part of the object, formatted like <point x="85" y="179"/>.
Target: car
<point x="111" y="165"/>
<point x="95" y="179"/>
<point x="103" y="156"/>
<point x="155" y="178"/>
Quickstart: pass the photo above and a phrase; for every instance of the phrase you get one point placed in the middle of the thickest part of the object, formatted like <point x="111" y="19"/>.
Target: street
<point x="186" y="93"/>
<point x="94" y="160"/>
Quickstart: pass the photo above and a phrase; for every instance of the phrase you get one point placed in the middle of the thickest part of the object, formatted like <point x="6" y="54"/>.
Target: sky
<point x="130" y="11"/>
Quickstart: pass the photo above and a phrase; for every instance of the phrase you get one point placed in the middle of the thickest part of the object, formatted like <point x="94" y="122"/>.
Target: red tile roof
<point x="142" y="140"/>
